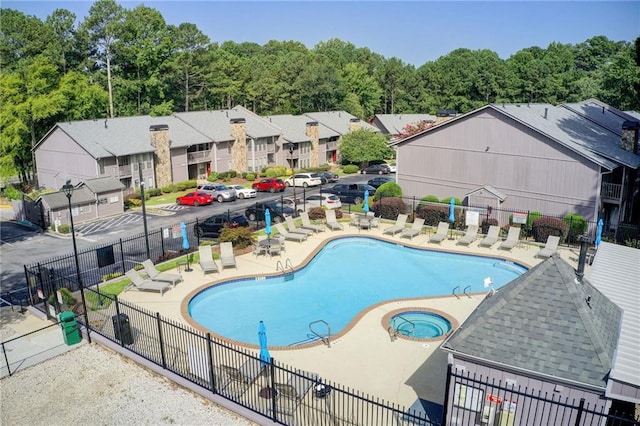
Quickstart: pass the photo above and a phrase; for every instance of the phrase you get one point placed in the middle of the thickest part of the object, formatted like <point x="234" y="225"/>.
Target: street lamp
<point x="144" y="210"/>
<point x="293" y="177"/>
<point x="68" y="191"/>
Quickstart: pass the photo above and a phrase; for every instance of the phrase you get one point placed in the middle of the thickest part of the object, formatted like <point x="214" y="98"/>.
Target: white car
<point x="330" y="201"/>
<point x="392" y="168"/>
<point x="304" y="180"/>
<point x="244" y="192"/>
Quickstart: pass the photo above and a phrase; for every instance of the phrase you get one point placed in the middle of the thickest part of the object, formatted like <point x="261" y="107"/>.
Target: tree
<point x="61" y="22"/>
<point x="356" y="81"/>
<point x="362" y="146"/>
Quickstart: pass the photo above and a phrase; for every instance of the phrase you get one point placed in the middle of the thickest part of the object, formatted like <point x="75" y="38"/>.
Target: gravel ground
<point x="108" y="390"/>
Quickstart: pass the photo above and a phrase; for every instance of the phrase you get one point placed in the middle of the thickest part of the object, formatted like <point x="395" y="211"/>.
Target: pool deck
<point x="364" y="358"/>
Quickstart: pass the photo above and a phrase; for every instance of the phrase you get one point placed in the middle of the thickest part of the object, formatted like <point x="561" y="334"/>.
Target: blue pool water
<point x="420" y="325"/>
<point x="345" y="277"/>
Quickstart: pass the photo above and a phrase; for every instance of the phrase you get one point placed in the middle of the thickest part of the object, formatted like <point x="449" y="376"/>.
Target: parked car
<point x="378" y="169"/>
<point x="304" y="180"/>
<point x="299" y="204"/>
<point x="277" y="210"/>
<point x="196" y="198"/>
<point x="212" y="226"/>
<point x="218" y="191"/>
<point x="350" y="193"/>
<point x="244" y="192"/>
<point x="269" y="184"/>
<point x="392" y="168"/>
<point x="377" y="181"/>
<point x="329" y="176"/>
<point x="330" y="201"/>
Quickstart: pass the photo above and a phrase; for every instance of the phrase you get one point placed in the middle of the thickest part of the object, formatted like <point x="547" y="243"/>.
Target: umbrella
<point x="452" y="209"/>
<point x="267" y="222"/>
<point x="265" y="357"/>
<point x="599" y="233"/>
<point x="365" y="206"/>
<point x="185" y="242"/>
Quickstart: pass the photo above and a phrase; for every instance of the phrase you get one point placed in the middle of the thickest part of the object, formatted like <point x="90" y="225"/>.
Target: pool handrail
<point x="325" y="339"/>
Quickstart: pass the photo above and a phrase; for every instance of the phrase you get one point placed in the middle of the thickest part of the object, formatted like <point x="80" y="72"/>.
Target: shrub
<point x="486" y="223"/>
<point x="172" y="187"/>
<point x="240" y="237"/>
<point x="213" y="176"/>
<point x="389" y="189"/>
<point x="274" y="172"/>
<point x="389" y="208"/>
<point x="63" y="229"/>
<point x="318" y="213"/>
<point x="433" y="214"/>
<point x="456" y="201"/>
<point x="12" y="193"/>
<point x="531" y="217"/>
<point x="67" y="297"/>
<point x="577" y="225"/>
<point x="428" y="199"/>
<point x="350" y="169"/>
<point x="132" y="201"/>
<point x="250" y="177"/>
<point x="187" y="184"/>
<point x="545" y="226"/>
<point x="153" y="192"/>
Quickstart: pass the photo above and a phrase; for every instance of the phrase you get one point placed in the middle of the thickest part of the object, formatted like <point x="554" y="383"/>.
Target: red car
<point x="197" y="198"/>
<point x="269" y="184"/>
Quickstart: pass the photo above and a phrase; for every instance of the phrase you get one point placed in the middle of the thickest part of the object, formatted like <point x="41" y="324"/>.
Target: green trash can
<point x="70" y="330"/>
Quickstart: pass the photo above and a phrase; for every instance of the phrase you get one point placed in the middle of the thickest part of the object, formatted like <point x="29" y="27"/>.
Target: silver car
<point x="219" y="192"/>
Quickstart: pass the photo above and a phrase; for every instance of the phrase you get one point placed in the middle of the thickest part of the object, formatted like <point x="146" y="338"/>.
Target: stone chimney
<point x="160" y="141"/>
<point x="354" y="124"/>
<point x="313" y="133"/>
<point x="629" y="138"/>
<point x="239" y="148"/>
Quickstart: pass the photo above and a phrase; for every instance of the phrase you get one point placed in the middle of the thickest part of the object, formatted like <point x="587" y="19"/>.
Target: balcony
<point x="125" y="171"/>
<point x="610" y="192"/>
<point x="198" y="156"/>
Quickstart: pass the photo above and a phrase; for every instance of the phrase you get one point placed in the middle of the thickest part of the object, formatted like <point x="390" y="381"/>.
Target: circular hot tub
<point x="418" y="324"/>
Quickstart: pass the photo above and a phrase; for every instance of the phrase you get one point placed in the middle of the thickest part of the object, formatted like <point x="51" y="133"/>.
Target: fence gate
<point x="34" y="211"/>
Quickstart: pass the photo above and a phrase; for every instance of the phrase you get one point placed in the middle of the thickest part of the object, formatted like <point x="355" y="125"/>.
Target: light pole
<point x="68" y="191"/>
<point x="144" y="210"/>
<point x="293" y="177"/>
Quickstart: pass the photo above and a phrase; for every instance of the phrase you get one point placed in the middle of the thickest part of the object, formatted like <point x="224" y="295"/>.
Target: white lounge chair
<point x="289" y="235"/>
<point x="291" y="224"/>
<point x="289" y="395"/>
<point x="513" y="237"/>
<point x="415" y="229"/>
<point x="398" y="227"/>
<point x="144" y="284"/>
<point x="469" y="236"/>
<point x="227" y="258"/>
<point x="156" y="275"/>
<point x="441" y="233"/>
<point x="491" y="238"/>
<point x="306" y="223"/>
<point x="235" y="380"/>
<point x="206" y="259"/>
<point x="332" y="222"/>
<point x="550" y="247"/>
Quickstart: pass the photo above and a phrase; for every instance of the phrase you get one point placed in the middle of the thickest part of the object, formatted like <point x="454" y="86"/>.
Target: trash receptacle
<point x="70" y="330"/>
<point x="122" y="328"/>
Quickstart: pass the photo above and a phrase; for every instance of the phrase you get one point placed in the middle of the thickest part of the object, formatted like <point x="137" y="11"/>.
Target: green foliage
<point x="275" y="172"/>
<point x="628" y="231"/>
<point x="389" y="189"/>
<point x="213" y="176"/>
<point x="169" y="188"/>
<point x="187" y="184"/>
<point x="250" y="177"/>
<point x="62" y="229"/>
<point x="531" y="217"/>
<point x="389" y="208"/>
<point x="447" y="200"/>
<point x="11" y="193"/>
<point x="433" y="214"/>
<point x="577" y="225"/>
<point x="545" y="226"/>
<point x="486" y="223"/>
<point x="428" y="199"/>
<point x="67" y="297"/>
<point x="240" y="237"/>
<point x="630" y="242"/>
<point x="362" y="146"/>
<point x="350" y="169"/>
<point x="153" y="192"/>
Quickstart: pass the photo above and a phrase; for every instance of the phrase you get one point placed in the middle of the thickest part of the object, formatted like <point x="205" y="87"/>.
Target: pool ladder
<point x="325" y="338"/>
<point x="286" y="269"/>
<point x="465" y="291"/>
<point x="394" y="329"/>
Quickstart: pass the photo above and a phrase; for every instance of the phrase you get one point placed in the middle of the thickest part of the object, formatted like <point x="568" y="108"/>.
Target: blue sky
<point x="413" y="31"/>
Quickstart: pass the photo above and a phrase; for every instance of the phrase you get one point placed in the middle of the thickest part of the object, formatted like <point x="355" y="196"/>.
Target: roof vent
<point x="546" y="111"/>
<point x="354" y="120"/>
<point x="158" y="127"/>
<point x="237" y="121"/>
<point x="312" y="123"/>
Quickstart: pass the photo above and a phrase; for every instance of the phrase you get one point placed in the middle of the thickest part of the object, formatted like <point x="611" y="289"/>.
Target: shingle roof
<point x="601" y="113"/>
<point x="339" y="121"/>
<point x="395" y="123"/>
<point x="294" y="127"/>
<point x="80" y="196"/>
<point x="616" y="273"/>
<point x="105" y="184"/>
<point x="541" y="322"/>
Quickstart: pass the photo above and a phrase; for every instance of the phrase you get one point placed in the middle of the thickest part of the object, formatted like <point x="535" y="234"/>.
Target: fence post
<point x="212" y="376"/>
<point x="273" y="393"/>
<point x="6" y="359"/>
<point x="124" y="268"/>
<point x="162" y="355"/>
<point x="580" y="411"/>
<point x="162" y="240"/>
<point x="447" y="387"/>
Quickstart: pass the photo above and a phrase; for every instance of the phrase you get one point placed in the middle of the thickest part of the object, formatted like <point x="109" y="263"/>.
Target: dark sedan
<point x="212" y="226"/>
<point x="380" y="180"/>
<point x="329" y="177"/>
<point x="377" y="169"/>
<point x="278" y="211"/>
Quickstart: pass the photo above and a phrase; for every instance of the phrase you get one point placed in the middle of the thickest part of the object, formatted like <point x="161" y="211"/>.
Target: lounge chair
<point x="145" y="284"/>
<point x="415" y="229"/>
<point x="227" y="258"/>
<point x="156" y="275"/>
<point x="291" y="224"/>
<point x="513" y="237"/>
<point x="491" y="238"/>
<point x="332" y="222"/>
<point x="289" y="395"/>
<point x="441" y="233"/>
<point x="469" y="236"/>
<point x="206" y="259"/>
<point x="236" y="380"/>
<point x="306" y="223"/>
<point x="550" y="247"/>
<point x="289" y="235"/>
<point x="398" y="227"/>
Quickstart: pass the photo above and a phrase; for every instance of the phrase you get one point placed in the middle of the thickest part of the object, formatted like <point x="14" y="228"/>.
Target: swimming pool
<point x="347" y="276"/>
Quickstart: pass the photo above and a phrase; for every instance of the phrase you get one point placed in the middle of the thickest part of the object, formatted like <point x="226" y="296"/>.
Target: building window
<point x="468" y="397"/>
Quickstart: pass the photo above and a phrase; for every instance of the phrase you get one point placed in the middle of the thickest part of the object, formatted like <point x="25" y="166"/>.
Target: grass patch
<point x="166" y="198"/>
<point x="107" y="291"/>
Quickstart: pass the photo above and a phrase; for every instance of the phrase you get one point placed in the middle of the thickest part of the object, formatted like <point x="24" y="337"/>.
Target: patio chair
<point x="469" y="236"/>
<point x="491" y="238"/>
<point x="415" y="229"/>
<point x="513" y="237"/>
<point x="144" y="284"/>
<point x="206" y="259"/>
<point x="550" y="247"/>
<point x="332" y="222"/>
<point x="156" y="275"/>
<point x="398" y="227"/>
<point x="289" y="395"/>
<point x="289" y="235"/>
<point x="227" y="258"/>
<point x="291" y="224"/>
<point x="441" y="233"/>
<point x="375" y="221"/>
<point x="306" y="223"/>
<point x="237" y="379"/>
<point x="258" y="248"/>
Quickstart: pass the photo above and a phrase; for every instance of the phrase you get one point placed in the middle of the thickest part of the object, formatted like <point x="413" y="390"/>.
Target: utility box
<point x="69" y="326"/>
<point x="122" y="328"/>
